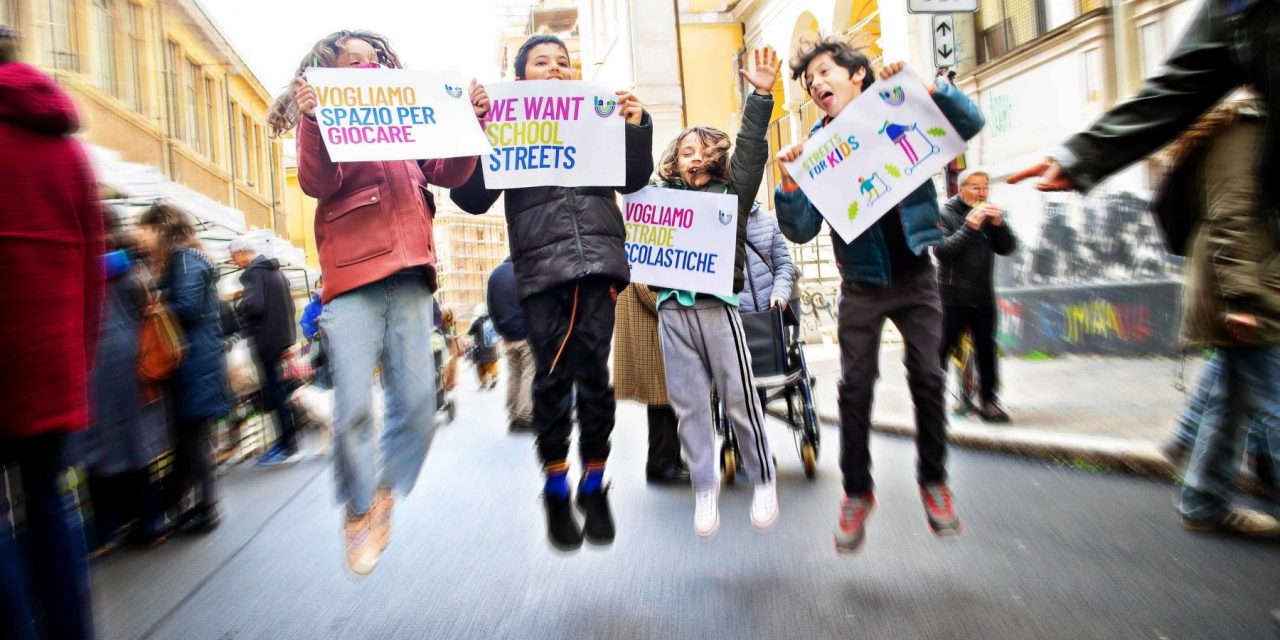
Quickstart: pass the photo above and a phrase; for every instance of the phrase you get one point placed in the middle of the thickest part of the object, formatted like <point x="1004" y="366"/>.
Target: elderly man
<point x="266" y="309"/>
<point x="974" y="232"/>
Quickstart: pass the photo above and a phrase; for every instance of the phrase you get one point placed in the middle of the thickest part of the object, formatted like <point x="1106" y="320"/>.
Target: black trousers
<point x="578" y="315"/>
<point x="913" y="305"/>
<point x="980" y="322"/>
<point x="276" y="399"/>
<point x="664" y="438"/>
<point x="193" y="466"/>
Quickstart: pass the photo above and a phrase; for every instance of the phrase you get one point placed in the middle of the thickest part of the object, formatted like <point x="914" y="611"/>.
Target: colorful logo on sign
<point x="726" y="217"/>
<point x="454" y="92"/>
<point x="605" y="107"/>
<point x="893" y="97"/>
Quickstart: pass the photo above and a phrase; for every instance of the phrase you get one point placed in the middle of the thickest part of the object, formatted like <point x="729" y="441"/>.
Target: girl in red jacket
<point x="373" y="232"/>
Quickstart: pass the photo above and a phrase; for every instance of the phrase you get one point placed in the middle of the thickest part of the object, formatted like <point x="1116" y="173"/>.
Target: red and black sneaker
<point x="851" y="530"/>
<point x="939" y="510"/>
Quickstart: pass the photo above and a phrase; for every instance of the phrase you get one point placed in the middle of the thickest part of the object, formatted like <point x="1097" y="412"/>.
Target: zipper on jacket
<point x="571" y="200"/>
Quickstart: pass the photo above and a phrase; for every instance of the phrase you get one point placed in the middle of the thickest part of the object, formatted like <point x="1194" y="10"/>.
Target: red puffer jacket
<point x="373" y="218"/>
<point x="50" y="259"/>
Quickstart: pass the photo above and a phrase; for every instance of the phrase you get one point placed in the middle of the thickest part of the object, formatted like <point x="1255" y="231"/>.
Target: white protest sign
<point x="554" y="133"/>
<point x="682" y="239"/>
<point x="394" y="114"/>
<point x="883" y="146"/>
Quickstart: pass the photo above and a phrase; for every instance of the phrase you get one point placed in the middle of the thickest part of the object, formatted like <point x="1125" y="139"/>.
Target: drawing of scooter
<point x="908" y="138"/>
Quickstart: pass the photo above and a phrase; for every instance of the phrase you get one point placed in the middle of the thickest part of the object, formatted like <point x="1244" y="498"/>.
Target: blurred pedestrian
<point x="128" y="428"/>
<point x="266" y="311"/>
<point x="887" y="275"/>
<point x="484" y="347"/>
<point x="197" y="391"/>
<point x="1229" y="44"/>
<point x="973" y="233"/>
<point x="639" y="374"/>
<point x="314" y="348"/>
<point x="508" y="319"/>
<point x="51" y="250"/>
<point x="1231" y="304"/>
<point x="379" y="265"/>
<point x="567" y="243"/>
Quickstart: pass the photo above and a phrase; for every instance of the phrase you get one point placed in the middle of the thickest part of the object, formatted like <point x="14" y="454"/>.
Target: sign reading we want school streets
<point x="682" y="239"/>
<point x="884" y="145"/>
<point x="562" y="133"/>
<point x="393" y="114"/>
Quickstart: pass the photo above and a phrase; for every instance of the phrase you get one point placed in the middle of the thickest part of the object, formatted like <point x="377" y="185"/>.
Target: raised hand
<point x="765" y="74"/>
<point x="789" y="154"/>
<point x="479" y="99"/>
<point x="304" y="95"/>
<point x="630" y="107"/>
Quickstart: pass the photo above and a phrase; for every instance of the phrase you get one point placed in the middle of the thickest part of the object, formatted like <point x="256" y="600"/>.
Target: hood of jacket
<point x="260" y="262"/>
<point x="31" y="100"/>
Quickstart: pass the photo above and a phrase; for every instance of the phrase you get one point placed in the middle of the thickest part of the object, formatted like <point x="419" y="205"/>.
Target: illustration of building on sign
<point x="911" y="140"/>
<point x="872" y="188"/>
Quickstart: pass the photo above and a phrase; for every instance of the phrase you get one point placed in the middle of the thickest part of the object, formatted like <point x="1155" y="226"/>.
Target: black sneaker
<point x="562" y="527"/>
<point x="598" y="528"/>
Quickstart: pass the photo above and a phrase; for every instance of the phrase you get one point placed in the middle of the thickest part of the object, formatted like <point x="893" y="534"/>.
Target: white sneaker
<point x="764" y="505"/>
<point x="706" y="512"/>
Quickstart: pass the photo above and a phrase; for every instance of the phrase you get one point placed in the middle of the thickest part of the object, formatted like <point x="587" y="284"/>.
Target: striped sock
<point x="594" y="477"/>
<point x="557" y="479"/>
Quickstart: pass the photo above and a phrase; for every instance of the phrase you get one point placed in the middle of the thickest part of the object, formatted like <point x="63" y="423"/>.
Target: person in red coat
<point x="51" y="244"/>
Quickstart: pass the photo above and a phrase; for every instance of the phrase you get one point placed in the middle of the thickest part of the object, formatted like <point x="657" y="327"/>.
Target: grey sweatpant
<point x="702" y="346"/>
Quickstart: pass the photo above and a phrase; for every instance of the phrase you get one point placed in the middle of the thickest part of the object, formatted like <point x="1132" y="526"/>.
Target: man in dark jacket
<point x="508" y="319"/>
<point x="268" y="313"/>
<point x="973" y="231"/>
<point x="51" y="230"/>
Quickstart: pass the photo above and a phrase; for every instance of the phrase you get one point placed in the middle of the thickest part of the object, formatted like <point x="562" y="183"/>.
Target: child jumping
<point x="567" y="246"/>
<point x="703" y="344"/>
<point x="377" y="295"/>
<point x="887" y="274"/>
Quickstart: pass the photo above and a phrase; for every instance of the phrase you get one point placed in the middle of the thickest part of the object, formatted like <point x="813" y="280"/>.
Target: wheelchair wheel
<point x="728" y="464"/>
<point x="809" y="458"/>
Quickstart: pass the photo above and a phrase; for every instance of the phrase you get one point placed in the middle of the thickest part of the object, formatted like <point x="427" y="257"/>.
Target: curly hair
<point x="174" y="228"/>
<point x="1197" y="136"/>
<point x="284" y="112"/>
<point x="715" y="154"/>
<point x="843" y="53"/>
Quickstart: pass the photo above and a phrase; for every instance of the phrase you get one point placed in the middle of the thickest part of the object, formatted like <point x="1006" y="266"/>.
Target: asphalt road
<point x="1047" y="552"/>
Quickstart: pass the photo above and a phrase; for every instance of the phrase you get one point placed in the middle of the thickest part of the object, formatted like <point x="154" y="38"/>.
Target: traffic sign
<point x="942" y="6"/>
<point x="944" y="41"/>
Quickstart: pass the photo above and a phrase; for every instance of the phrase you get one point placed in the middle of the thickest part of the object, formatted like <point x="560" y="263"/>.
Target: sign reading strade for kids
<point x="682" y="239"/>
<point x="393" y="114"/>
<point x="884" y="145"/>
<point x="554" y="133"/>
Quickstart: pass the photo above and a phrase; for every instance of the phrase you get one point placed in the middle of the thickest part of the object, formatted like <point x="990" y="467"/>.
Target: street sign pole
<point x="944" y="40"/>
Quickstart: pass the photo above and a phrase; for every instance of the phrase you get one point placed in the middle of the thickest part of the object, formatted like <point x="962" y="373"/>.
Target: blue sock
<point x="558" y="481"/>
<point x="593" y="479"/>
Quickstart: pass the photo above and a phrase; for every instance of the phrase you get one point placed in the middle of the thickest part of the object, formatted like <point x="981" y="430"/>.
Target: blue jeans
<point x="385" y="323"/>
<point x="44" y="568"/>
<point x="1245" y="375"/>
<point x="1189" y="421"/>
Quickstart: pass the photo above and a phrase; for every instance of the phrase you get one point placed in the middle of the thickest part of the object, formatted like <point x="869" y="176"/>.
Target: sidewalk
<point x="1102" y="412"/>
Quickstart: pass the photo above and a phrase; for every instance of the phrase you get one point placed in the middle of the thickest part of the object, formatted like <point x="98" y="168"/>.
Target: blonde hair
<point x="284" y="112"/>
<point x="715" y="151"/>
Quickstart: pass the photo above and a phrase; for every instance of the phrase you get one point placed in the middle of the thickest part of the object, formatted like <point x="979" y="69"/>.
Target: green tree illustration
<point x="853" y="209"/>
<point x="937" y="132"/>
<point x="893" y="170"/>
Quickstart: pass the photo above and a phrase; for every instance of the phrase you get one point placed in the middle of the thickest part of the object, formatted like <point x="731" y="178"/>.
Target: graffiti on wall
<point x="1120" y="319"/>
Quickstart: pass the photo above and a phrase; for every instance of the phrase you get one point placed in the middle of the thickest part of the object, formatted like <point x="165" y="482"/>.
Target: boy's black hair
<point x="522" y="56"/>
<point x="841" y="52"/>
<point x="8" y="44"/>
